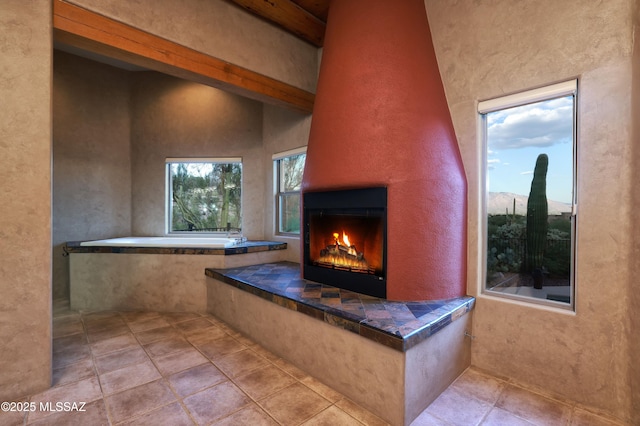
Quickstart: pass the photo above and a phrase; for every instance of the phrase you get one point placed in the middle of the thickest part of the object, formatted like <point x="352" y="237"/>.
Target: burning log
<point x="342" y="251"/>
<point x="343" y="255"/>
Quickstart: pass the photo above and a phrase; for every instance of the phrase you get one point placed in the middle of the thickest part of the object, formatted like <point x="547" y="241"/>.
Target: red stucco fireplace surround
<point x="380" y="120"/>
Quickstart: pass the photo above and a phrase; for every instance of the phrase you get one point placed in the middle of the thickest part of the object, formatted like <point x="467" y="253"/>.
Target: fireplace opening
<point x="345" y="239"/>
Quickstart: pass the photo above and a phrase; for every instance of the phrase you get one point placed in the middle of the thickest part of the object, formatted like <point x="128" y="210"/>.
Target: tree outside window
<point x="530" y="178"/>
<point x="288" y="171"/>
<point x="204" y="195"/>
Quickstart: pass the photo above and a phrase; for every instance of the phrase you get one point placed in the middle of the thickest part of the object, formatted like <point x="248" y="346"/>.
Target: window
<point x="530" y="141"/>
<point x="288" y="168"/>
<point x="204" y="194"/>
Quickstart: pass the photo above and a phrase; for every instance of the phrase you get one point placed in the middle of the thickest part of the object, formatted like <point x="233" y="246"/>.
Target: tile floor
<point x="147" y="368"/>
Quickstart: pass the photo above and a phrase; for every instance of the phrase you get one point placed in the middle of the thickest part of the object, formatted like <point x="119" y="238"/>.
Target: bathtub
<point x="168" y="242"/>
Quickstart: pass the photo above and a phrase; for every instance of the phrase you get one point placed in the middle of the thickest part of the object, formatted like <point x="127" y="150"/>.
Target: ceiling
<point x="305" y="19"/>
<point x="85" y="33"/>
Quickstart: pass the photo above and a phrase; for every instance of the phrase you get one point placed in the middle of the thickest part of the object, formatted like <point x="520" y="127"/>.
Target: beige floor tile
<point x="86" y="390"/>
<point x="250" y="415"/>
<point x="181" y="348"/>
<point x="103" y="347"/>
<point x="175" y="317"/>
<point x="68" y="327"/>
<point x="120" y="359"/>
<point x="264" y="381"/>
<point x="332" y="416"/>
<point x="290" y="368"/>
<point x="166" y="346"/>
<point x="129" y="377"/>
<point x="69" y="343"/>
<point x="178" y="361"/>
<point x="71" y="356"/>
<point x="93" y="413"/>
<point x="206" y="335"/>
<point x="155" y="334"/>
<point x="12" y="418"/>
<point x="322" y="389"/>
<point x="148" y="324"/>
<point x="359" y="413"/>
<point x="216" y="403"/>
<point x="195" y="379"/>
<point x="73" y="372"/>
<point x="131" y="317"/>
<point x="240" y="362"/>
<point x="108" y="332"/>
<point x="499" y="417"/>
<point x="139" y="400"/>
<point x="448" y="405"/>
<point x="172" y="414"/>
<point x="294" y="404"/>
<point x="533" y="407"/>
<point x="92" y="319"/>
<point x="582" y="417"/>
<point x="479" y="385"/>
<point x="427" y="419"/>
<point x="194" y="325"/>
<point x="216" y="349"/>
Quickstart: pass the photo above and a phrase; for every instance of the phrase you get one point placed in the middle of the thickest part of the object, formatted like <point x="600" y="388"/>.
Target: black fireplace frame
<point x="361" y="202"/>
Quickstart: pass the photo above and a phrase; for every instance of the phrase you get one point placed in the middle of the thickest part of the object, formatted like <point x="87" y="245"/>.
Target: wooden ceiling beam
<point x="288" y="15"/>
<point x="90" y="31"/>
<point x="318" y="8"/>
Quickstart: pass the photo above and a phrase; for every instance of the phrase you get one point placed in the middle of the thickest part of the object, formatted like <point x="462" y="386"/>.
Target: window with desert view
<point x="530" y="180"/>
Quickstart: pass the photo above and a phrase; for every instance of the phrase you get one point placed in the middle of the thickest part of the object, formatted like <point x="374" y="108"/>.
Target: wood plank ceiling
<point x="96" y="34"/>
<point x="304" y="18"/>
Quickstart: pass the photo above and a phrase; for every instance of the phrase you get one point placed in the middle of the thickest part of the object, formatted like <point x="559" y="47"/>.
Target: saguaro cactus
<point x="537" y="220"/>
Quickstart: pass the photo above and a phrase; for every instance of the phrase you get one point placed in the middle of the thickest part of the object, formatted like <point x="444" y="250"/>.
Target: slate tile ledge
<point x="398" y="325"/>
<point x="243" y="248"/>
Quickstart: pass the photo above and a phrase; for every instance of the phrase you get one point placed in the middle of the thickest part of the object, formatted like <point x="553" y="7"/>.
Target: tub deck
<point x="242" y="248"/>
<point x="164" y="279"/>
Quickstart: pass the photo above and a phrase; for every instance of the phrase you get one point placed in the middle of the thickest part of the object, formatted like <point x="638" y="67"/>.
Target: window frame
<point x="549" y="92"/>
<point x="169" y="192"/>
<point x="276" y="158"/>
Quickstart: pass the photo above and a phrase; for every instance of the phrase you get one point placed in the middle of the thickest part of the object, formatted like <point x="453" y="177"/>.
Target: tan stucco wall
<point x="91" y="156"/>
<point x="282" y="130"/>
<point x="488" y="49"/>
<point x="220" y="29"/>
<point x="173" y="118"/>
<point x="634" y="264"/>
<point x="25" y="210"/>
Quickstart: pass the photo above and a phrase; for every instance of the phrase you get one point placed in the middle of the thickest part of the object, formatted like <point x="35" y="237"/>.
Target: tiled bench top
<point x="399" y="325"/>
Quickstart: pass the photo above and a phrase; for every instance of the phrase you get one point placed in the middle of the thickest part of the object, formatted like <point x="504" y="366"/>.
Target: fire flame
<point x="345" y="239"/>
<point x="344" y="242"/>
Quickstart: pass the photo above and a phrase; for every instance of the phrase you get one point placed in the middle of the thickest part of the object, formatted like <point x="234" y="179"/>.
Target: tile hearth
<point x="399" y="325"/>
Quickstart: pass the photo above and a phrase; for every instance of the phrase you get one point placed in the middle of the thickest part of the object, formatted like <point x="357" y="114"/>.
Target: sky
<point x="515" y="138"/>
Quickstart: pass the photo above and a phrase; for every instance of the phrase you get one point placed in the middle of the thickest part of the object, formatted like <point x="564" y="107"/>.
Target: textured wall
<point x="91" y="161"/>
<point x="224" y="30"/>
<point x="25" y="211"/>
<point x="282" y="130"/>
<point x="634" y="266"/>
<point x="488" y="49"/>
<point x="177" y="118"/>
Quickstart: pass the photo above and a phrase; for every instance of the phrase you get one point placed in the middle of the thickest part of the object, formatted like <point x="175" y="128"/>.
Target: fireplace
<point x="345" y="239"/>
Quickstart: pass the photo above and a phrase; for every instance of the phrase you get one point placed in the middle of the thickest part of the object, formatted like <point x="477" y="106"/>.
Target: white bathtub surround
<point x="191" y="241"/>
<point x="163" y="279"/>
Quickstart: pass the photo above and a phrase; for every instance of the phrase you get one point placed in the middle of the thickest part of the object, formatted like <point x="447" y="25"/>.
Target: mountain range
<point x="501" y="202"/>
